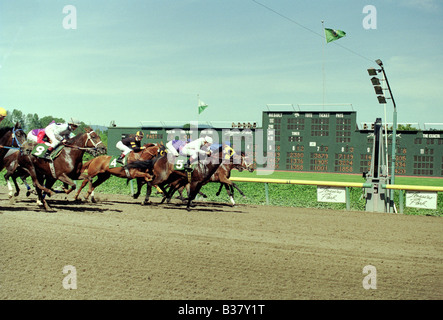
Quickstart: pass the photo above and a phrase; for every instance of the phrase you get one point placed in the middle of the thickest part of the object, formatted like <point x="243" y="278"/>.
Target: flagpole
<point x="323" y="64"/>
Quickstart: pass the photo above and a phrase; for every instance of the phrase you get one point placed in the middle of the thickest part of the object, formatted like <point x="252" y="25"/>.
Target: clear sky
<point x="150" y="60"/>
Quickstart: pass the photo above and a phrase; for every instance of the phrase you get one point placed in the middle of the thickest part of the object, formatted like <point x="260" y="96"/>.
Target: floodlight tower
<point x="382" y="99"/>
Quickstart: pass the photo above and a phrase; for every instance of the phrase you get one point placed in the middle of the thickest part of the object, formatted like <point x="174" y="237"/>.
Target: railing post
<point x="348" y="199"/>
<point x="400" y="199"/>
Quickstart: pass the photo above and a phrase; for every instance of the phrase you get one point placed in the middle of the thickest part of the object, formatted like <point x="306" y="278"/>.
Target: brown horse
<point x="100" y="167"/>
<point x="165" y="174"/>
<point x="14" y="151"/>
<point x="11" y="164"/>
<point x="66" y="167"/>
<point x="11" y="139"/>
<point x="222" y="176"/>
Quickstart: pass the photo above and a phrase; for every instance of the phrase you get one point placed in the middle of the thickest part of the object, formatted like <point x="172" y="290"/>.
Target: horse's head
<point x="18" y="135"/>
<point x="245" y="163"/>
<point x="94" y="142"/>
<point x="150" y="151"/>
<point x="12" y="137"/>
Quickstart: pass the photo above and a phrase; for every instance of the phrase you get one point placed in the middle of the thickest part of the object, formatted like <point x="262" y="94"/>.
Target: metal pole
<point x="267" y="193"/>
<point x="394" y="135"/>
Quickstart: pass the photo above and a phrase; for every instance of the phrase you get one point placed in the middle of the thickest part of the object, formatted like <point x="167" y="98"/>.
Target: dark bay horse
<point x="100" y="167"/>
<point x="13" y="152"/>
<point x="164" y="174"/>
<point x="223" y="174"/>
<point x="11" y="139"/>
<point x="67" y="166"/>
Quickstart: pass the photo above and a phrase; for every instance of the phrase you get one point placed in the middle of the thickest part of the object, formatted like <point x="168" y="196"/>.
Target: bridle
<point x="14" y="138"/>
<point x="86" y="143"/>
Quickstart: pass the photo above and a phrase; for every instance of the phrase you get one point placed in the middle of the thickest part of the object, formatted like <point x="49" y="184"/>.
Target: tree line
<point x="31" y="121"/>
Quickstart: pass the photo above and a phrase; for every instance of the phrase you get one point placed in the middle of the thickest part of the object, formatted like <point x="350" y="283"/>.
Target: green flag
<point x="332" y="34"/>
<point x="201" y="106"/>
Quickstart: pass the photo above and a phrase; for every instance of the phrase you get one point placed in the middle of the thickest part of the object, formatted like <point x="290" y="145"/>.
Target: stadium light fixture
<point x="382" y="100"/>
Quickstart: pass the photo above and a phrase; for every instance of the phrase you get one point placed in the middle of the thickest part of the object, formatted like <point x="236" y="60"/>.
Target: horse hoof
<point x="146" y="203"/>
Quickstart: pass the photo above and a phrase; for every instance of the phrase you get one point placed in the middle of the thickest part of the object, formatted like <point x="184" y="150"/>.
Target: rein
<point x="14" y="138"/>
<point x="86" y="142"/>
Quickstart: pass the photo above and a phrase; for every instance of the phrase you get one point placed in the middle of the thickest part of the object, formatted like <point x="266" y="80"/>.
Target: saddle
<point x="113" y="163"/>
<point x="40" y="149"/>
<point x="179" y="165"/>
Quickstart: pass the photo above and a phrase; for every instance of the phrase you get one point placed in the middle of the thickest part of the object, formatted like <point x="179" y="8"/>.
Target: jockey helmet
<point x="139" y="134"/>
<point x="3" y="112"/>
<point x="208" y="139"/>
<point x="74" y="122"/>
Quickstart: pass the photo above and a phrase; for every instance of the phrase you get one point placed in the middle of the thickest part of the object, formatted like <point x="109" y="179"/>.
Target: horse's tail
<point x="140" y="165"/>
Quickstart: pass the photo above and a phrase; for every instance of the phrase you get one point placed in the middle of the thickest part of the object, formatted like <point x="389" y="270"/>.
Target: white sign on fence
<point x="419" y="199"/>
<point x="331" y="194"/>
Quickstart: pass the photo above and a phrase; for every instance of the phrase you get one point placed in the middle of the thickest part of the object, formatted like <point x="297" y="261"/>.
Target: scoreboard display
<point x="330" y="141"/>
<point x="314" y="141"/>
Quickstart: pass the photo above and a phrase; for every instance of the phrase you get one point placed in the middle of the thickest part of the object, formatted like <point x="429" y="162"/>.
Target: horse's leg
<point x="140" y="183"/>
<point x="28" y="188"/>
<point x="194" y="189"/>
<point x="27" y="166"/>
<point x="148" y="194"/>
<point x="41" y="195"/>
<point x="101" y="177"/>
<point x="10" y="194"/>
<point x="219" y="189"/>
<point x="236" y="187"/>
<point x="67" y="181"/>
<point x="228" y="186"/>
<point x="84" y="182"/>
<point x="230" y="194"/>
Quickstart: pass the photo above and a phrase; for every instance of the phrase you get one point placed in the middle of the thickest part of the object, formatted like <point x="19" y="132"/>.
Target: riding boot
<point x="120" y="159"/>
<point x="48" y="153"/>
<point x="187" y="166"/>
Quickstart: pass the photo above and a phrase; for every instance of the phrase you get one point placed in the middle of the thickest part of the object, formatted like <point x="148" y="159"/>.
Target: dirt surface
<point x="122" y="250"/>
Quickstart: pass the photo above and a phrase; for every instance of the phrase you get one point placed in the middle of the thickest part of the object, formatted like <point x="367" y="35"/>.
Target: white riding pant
<point x="123" y="148"/>
<point x="53" y="141"/>
<point x="32" y="137"/>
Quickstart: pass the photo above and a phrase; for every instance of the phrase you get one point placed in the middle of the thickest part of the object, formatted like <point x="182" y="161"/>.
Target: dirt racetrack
<point x="122" y="250"/>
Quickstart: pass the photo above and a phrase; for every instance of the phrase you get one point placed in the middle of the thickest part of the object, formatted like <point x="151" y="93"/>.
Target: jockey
<point x="3" y="114"/>
<point x="227" y="149"/>
<point x="129" y="144"/>
<point x="58" y="132"/>
<point x="38" y="135"/>
<point x="194" y="148"/>
<point x="176" y="146"/>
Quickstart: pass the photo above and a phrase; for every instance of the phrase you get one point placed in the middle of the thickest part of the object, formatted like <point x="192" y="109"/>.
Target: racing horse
<point x="223" y="174"/>
<point x="67" y="166"/>
<point x="100" y="167"/>
<point x="164" y="174"/>
<point x="11" y="140"/>
<point x="12" y="145"/>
